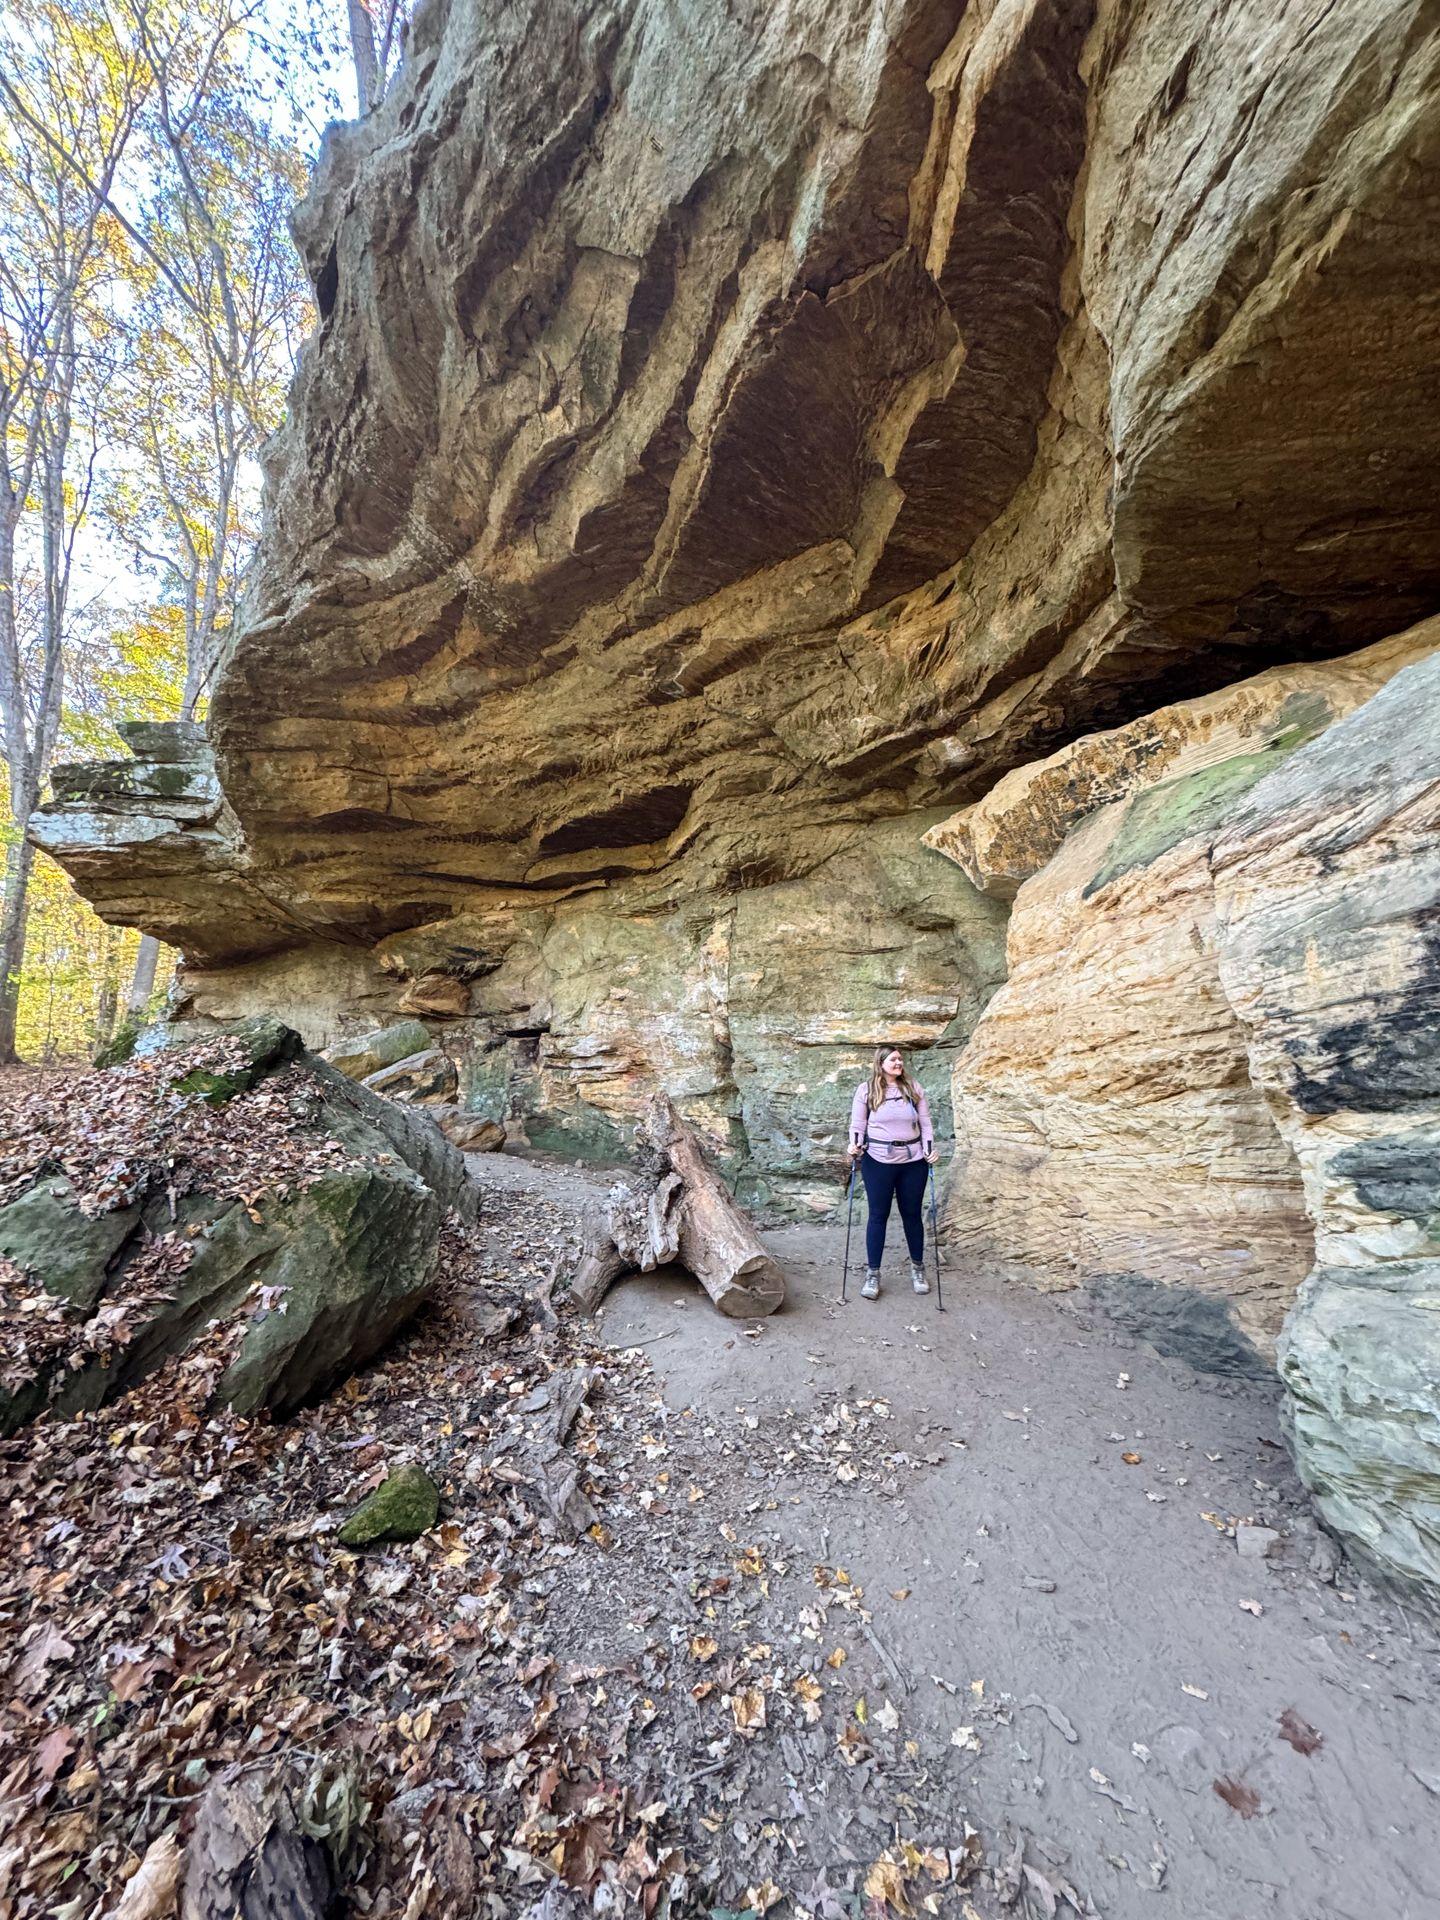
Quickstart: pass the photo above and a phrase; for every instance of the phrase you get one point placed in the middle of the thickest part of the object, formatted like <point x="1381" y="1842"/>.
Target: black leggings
<point x="904" y="1182"/>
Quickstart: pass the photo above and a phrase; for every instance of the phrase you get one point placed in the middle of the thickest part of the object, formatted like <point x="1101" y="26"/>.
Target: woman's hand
<point x="933" y="1156"/>
<point x="855" y="1149"/>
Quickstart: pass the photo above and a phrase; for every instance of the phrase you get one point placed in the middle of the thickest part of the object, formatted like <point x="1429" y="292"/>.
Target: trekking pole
<point x="849" y="1216"/>
<point x="935" y="1242"/>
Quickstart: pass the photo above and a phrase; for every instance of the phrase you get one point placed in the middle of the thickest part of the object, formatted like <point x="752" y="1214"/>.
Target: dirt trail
<point x="1162" y="1724"/>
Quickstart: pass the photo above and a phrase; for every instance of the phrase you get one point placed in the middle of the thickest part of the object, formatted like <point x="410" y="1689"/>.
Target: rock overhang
<point x="712" y="437"/>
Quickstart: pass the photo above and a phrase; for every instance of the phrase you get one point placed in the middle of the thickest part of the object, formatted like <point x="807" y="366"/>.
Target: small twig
<point x="668" y="1334"/>
<point x="901" y="1679"/>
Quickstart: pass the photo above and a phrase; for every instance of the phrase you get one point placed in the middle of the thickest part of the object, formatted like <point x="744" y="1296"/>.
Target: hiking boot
<point x="871" y="1288"/>
<point x="917" y="1277"/>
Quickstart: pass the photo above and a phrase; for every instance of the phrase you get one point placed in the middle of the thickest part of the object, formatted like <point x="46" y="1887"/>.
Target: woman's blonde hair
<point x="878" y="1089"/>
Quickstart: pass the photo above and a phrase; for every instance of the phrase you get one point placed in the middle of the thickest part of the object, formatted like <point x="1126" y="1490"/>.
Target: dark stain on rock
<point x="637" y="821"/>
<point x="1386" y="1059"/>
<point x="1399" y="1174"/>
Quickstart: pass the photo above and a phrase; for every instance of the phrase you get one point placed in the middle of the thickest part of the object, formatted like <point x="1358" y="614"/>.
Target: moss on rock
<point x="1164" y="816"/>
<point x="67" y="1251"/>
<point x="403" y="1507"/>
<point x="264" y="1043"/>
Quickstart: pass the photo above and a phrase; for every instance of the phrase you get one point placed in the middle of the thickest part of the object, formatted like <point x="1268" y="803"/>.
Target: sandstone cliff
<point x="1109" y="1128"/>
<point x="736" y="438"/>
<point x="1327" y="881"/>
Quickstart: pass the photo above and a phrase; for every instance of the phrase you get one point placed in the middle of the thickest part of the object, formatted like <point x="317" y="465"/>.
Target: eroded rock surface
<point x="1328" y="884"/>
<point x="1108" y="1126"/>
<point x="757" y="1015"/>
<point x="728" y="427"/>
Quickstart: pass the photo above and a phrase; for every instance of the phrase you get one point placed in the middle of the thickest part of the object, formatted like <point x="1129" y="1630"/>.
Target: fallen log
<point x="676" y="1210"/>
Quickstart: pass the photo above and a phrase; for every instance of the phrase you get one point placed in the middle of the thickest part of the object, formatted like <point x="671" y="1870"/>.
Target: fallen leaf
<point x="1131" y="1459"/>
<point x="1299" y="1733"/>
<point x="54" y="1750"/>
<point x="748" y="1709"/>
<point x="1236" y="1794"/>
<point x="810" y="1693"/>
<point x="150" y="1892"/>
<point x="48" y="1645"/>
<point x="885" y="1882"/>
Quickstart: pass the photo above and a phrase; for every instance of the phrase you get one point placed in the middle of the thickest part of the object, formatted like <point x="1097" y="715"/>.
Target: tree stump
<point x="677" y="1210"/>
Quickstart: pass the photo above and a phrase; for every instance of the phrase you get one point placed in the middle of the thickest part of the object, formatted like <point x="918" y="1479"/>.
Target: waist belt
<point x="889" y="1145"/>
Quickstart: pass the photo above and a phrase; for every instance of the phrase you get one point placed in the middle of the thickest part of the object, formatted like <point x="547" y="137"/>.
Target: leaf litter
<point x="642" y="1713"/>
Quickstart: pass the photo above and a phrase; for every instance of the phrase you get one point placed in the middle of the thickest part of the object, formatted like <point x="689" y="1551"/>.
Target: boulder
<point x="427" y="1078"/>
<point x="224" y="1196"/>
<point x="1327" y="883"/>
<point x="370" y="1053"/>
<point x="402" y="1507"/>
<point x="470" y="1132"/>
<point x="439" y="995"/>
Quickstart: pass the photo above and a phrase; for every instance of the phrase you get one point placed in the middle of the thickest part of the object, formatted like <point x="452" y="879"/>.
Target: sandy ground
<point x="1154" y="1719"/>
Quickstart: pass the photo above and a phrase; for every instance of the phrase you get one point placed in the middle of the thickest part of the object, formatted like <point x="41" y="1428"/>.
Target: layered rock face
<point x="758" y="1014"/>
<point x="736" y="438"/>
<point x="1327" y="880"/>
<point x="728" y="428"/>
<point x="1108" y="1124"/>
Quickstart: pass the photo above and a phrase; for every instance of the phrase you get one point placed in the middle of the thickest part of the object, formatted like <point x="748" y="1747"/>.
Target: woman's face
<point x="893" y="1063"/>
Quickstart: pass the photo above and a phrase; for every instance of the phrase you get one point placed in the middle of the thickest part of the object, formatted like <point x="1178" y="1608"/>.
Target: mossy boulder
<point x="293" y="1283"/>
<point x="403" y="1507"/>
<point x="47" y="1236"/>
<point x="262" y="1044"/>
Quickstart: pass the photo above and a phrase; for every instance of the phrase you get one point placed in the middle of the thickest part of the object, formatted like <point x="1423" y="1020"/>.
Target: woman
<point x="892" y="1138"/>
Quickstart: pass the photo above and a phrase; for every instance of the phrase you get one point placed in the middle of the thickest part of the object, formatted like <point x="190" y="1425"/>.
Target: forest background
<point x="152" y="305"/>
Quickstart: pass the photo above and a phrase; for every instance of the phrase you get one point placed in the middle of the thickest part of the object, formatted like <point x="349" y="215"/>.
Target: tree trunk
<point x="142" y="981"/>
<point x="362" y="48"/>
<point x="680" y="1211"/>
<point x="19" y="860"/>
<point x="107" y="1000"/>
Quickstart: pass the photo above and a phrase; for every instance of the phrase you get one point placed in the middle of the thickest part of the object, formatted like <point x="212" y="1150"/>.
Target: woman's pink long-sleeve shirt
<point x="889" y="1130"/>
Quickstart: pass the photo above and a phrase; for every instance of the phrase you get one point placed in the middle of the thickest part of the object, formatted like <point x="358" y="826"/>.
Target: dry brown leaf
<point x="150" y="1894"/>
<point x="1299" y="1733"/>
<point x="1235" y="1793"/>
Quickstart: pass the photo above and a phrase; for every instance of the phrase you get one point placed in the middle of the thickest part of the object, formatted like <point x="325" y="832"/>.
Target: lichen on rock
<point x="1327" y="880"/>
